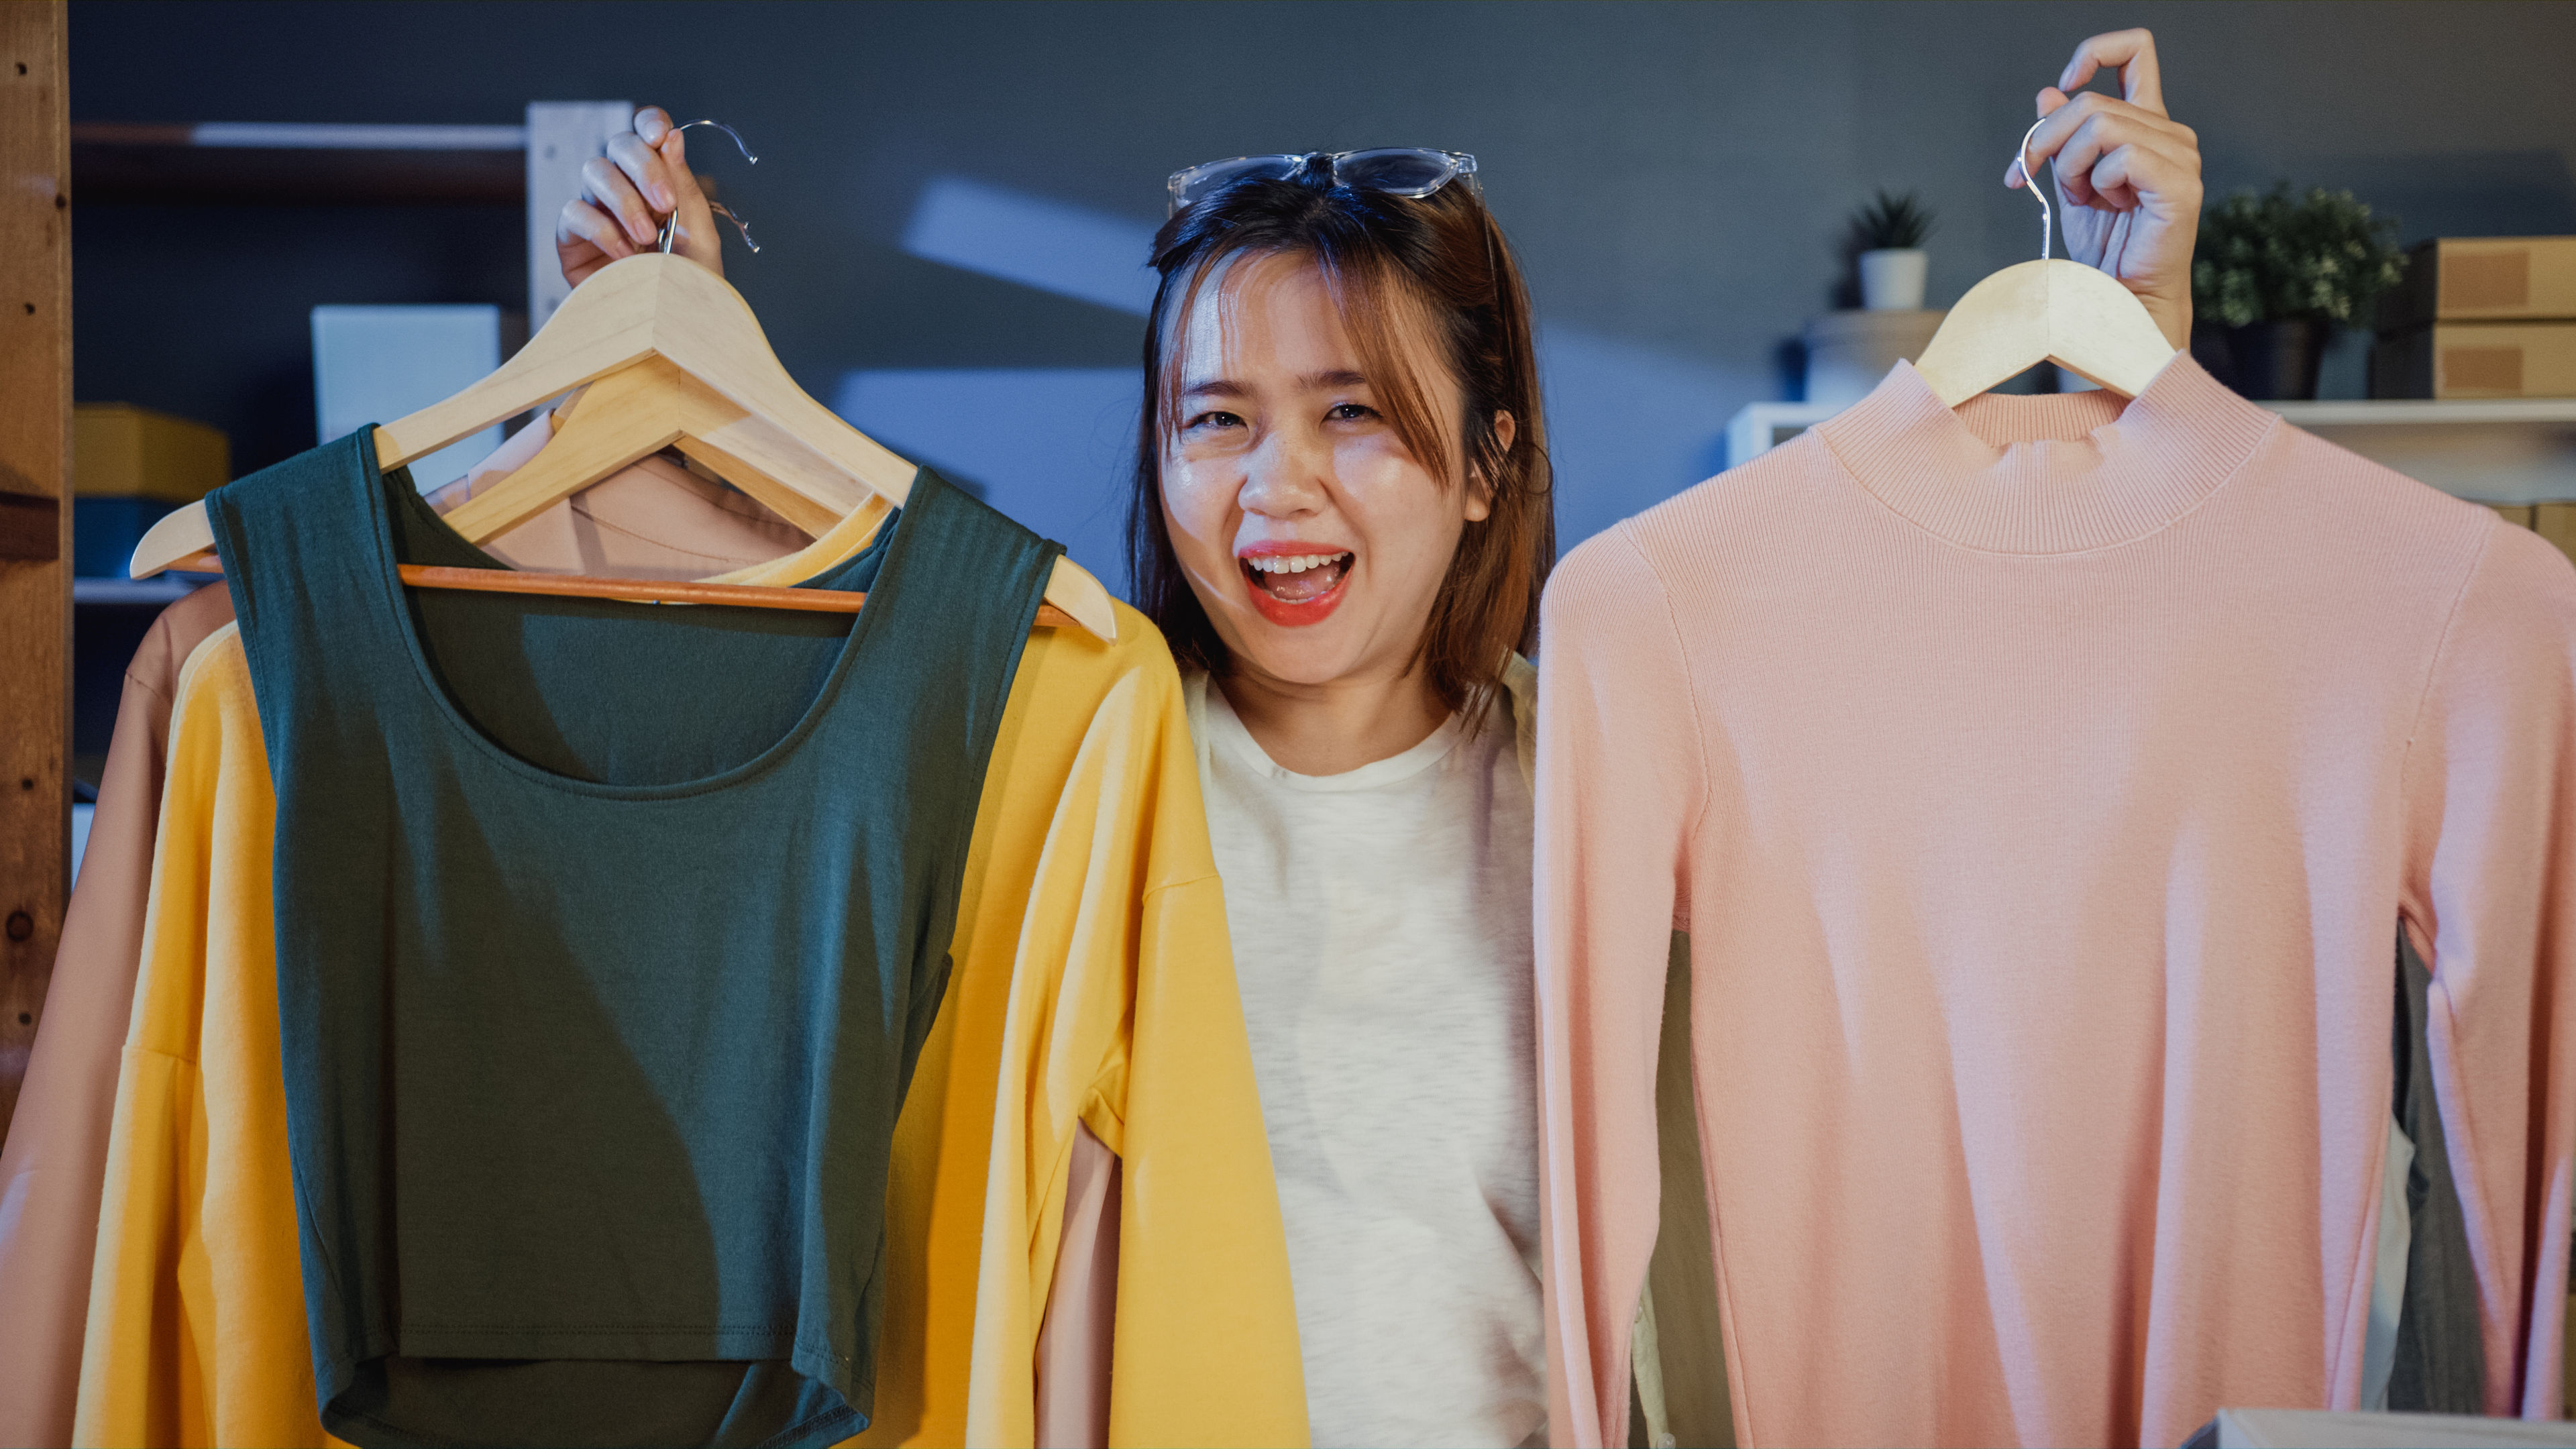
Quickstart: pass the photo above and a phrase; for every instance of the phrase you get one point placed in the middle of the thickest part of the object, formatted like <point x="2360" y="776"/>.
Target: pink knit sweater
<point x="2042" y="785"/>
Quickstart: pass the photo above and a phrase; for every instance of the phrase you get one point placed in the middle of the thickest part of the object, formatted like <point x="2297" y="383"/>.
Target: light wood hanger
<point x="671" y="354"/>
<point x="2076" y="316"/>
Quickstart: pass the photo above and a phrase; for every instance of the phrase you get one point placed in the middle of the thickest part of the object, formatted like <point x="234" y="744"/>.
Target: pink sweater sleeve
<point x="1620" y="781"/>
<point x="2491" y="886"/>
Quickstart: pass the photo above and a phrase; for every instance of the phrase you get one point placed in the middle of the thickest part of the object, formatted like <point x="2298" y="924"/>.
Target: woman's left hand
<point x="2128" y="176"/>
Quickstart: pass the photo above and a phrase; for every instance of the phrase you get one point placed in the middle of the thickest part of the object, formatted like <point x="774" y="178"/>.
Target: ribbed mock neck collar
<point x="2046" y="474"/>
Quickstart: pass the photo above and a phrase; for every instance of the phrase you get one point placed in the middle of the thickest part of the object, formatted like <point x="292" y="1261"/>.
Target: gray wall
<point x="1675" y="177"/>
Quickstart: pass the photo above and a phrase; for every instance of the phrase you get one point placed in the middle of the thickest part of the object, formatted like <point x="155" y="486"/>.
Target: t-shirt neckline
<point x="1229" y="733"/>
<point x="384" y="556"/>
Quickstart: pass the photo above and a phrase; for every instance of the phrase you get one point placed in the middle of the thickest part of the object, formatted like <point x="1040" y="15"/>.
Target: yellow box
<point x="123" y="451"/>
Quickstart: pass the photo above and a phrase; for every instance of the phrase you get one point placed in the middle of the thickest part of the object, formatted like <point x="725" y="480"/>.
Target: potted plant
<point x="2275" y="274"/>
<point x="1887" y="237"/>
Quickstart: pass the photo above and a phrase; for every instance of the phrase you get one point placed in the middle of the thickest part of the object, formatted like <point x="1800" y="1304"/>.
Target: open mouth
<point x="1296" y="588"/>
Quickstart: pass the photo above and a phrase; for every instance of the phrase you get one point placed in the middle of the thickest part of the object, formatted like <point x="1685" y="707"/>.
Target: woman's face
<point x="1312" y="536"/>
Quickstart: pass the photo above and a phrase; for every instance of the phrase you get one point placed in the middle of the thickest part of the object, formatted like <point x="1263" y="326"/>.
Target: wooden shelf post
<point x="35" y="518"/>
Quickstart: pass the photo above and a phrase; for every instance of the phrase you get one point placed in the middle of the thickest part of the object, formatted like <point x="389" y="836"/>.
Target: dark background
<point x="1675" y="176"/>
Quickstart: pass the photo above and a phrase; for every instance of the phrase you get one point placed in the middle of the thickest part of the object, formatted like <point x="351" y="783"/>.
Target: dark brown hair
<point x="1441" y="259"/>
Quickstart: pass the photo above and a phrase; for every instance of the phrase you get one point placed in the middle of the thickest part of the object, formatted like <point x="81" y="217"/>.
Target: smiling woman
<point x="1341" y="521"/>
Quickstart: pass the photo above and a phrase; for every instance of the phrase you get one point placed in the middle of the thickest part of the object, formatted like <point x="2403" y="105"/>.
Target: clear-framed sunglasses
<point x="1412" y="171"/>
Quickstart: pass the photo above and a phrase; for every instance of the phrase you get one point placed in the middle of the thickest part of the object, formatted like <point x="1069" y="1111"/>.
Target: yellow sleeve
<point x="196" y="1326"/>
<point x="943" y="1142"/>
<point x="1124" y="1014"/>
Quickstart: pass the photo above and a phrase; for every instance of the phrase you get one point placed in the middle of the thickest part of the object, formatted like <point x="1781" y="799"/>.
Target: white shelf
<point x="2492" y="450"/>
<point x="2500" y="450"/>
<point x="1757" y="428"/>
<point x="168" y="588"/>
<point x="2476" y="412"/>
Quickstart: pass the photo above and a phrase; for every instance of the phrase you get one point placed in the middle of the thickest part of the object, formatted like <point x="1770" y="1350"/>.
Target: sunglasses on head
<point x="1410" y="171"/>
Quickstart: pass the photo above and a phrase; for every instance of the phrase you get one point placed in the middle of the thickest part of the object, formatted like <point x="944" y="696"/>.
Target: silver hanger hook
<point x="2030" y="179"/>
<point x="670" y="226"/>
<point x="728" y="130"/>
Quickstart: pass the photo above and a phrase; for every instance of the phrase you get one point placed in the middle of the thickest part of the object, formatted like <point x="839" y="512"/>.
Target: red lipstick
<point x="1294" y="599"/>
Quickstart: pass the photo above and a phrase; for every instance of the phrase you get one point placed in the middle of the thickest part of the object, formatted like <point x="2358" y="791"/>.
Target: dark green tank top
<point x="607" y="935"/>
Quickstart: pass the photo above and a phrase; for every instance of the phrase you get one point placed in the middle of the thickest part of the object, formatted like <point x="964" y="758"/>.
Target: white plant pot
<point x="1891" y="280"/>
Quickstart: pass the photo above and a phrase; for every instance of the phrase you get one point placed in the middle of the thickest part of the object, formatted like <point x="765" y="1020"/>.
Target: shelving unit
<point x="535" y="166"/>
<point x="255" y="163"/>
<point x="2519" y="450"/>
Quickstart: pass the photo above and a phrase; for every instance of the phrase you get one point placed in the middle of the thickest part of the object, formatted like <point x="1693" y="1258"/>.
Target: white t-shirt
<point x="1381" y="927"/>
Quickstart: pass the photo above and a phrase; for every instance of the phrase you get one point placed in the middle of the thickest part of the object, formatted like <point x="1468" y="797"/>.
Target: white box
<point x="376" y="364"/>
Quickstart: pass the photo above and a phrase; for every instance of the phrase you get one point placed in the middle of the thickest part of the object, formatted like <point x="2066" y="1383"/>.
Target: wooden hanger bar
<point x="649" y="591"/>
<point x="646" y="304"/>
<point x="637" y="411"/>
<point x="659" y="591"/>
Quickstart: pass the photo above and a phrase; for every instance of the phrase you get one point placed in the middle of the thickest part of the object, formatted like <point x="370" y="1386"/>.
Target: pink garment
<point x="2038" y="783"/>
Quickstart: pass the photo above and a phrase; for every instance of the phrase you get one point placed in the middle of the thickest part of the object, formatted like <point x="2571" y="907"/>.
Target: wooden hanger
<point x="671" y="355"/>
<point x="2076" y="316"/>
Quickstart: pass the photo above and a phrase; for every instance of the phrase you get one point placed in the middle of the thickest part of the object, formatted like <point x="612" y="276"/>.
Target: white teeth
<point x="1292" y="563"/>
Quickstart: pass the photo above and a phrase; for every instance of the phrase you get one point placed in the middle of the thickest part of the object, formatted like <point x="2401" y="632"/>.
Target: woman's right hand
<point x="2127" y="175"/>
<point x="626" y="194"/>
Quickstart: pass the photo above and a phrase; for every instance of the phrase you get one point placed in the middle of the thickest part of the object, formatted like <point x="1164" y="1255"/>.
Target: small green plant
<point x="2281" y="258"/>
<point x="1891" y="222"/>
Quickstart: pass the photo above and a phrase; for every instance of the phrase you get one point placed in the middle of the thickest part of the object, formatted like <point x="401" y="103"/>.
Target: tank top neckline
<point x="389" y="589"/>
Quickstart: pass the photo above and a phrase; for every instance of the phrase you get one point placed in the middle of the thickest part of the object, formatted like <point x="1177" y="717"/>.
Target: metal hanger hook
<point x="728" y="130"/>
<point x="2030" y="179"/>
<point x="670" y="225"/>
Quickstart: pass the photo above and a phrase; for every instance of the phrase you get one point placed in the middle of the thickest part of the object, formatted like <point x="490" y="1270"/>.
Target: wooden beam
<point x="35" y="466"/>
<point x="30" y="527"/>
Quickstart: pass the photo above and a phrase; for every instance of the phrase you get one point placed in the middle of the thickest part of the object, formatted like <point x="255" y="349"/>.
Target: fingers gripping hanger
<point x="668" y="354"/>
<point x="2050" y="310"/>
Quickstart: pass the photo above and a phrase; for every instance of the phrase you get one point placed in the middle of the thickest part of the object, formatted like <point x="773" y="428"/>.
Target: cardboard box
<point x="2476" y="359"/>
<point x="2557" y="523"/>
<point x="123" y="451"/>
<point x="2484" y="279"/>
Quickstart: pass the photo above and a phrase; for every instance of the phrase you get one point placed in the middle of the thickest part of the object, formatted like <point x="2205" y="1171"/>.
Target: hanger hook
<point x="728" y="130"/>
<point x="2030" y="179"/>
<point x="669" y="224"/>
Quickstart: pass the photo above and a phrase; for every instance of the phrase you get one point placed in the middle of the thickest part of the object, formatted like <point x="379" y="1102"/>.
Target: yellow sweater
<point x="1092" y="985"/>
